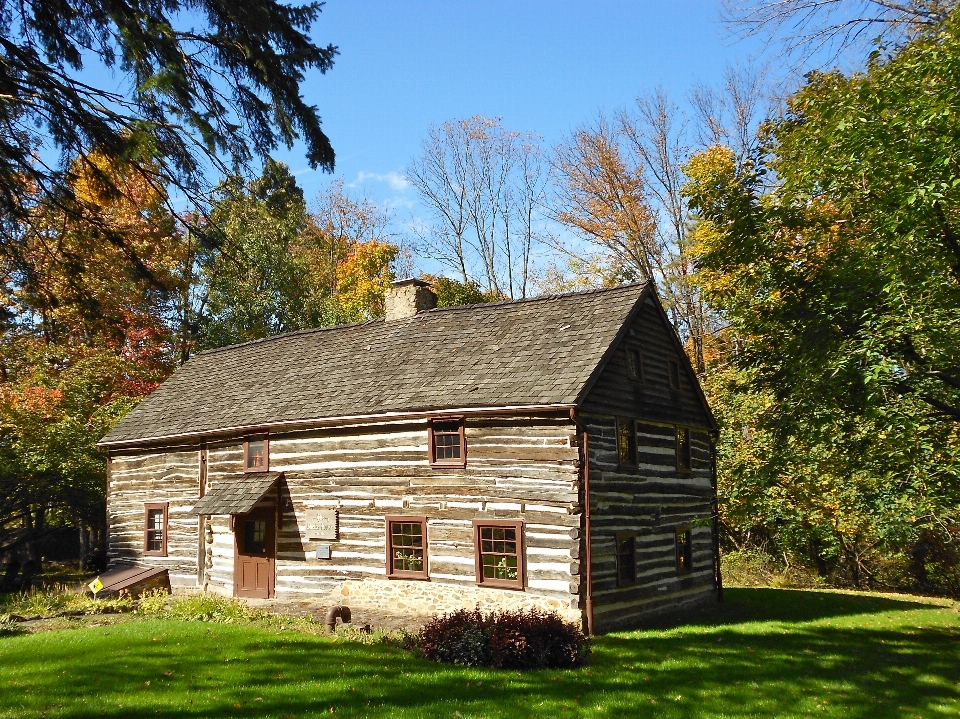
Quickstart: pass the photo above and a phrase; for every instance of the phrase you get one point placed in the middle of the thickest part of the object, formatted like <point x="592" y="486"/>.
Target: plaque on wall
<point x="322" y="524"/>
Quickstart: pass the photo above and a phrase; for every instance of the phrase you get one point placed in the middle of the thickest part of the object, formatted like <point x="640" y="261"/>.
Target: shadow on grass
<point x="887" y="666"/>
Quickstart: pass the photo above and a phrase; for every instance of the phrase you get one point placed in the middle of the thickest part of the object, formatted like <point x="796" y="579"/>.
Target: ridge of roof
<point x="434" y="311"/>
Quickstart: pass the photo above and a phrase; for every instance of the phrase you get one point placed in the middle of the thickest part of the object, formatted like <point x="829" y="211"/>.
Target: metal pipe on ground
<point x="333" y="613"/>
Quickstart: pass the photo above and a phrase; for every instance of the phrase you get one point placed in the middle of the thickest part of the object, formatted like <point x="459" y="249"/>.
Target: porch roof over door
<point x="237" y="494"/>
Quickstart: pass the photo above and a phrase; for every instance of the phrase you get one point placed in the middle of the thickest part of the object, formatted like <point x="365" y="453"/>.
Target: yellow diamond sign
<point x="96" y="585"/>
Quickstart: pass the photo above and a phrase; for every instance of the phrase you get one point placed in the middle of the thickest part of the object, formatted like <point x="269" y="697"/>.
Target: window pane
<point x="254" y="536"/>
<point x="626" y="441"/>
<point x="155" y="530"/>
<point x="256" y="454"/>
<point x="499" y="553"/>
<point x="635" y="364"/>
<point x="683" y="448"/>
<point x="407" y="546"/>
<point x="446" y="441"/>
<point x="626" y="561"/>
<point x="674" y="374"/>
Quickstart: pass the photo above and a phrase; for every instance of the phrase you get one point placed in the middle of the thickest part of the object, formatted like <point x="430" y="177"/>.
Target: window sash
<point x="684" y="539"/>
<point x="626" y="442"/>
<point x="674" y="371"/>
<point x="155" y="529"/>
<point x="684" y="458"/>
<point x="498" y="546"/>
<point x="635" y="363"/>
<point x="626" y="560"/>
<point x="256" y="455"/>
<point x="447" y="443"/>
<point x="407" y="547"/>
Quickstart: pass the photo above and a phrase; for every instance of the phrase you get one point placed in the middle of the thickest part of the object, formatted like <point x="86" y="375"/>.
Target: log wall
<point x="651" y="499"/>
<point x="141" y="477"/>
<point x="518" y="467"/>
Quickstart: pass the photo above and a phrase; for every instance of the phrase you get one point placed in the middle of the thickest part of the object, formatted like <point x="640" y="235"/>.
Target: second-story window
<point x="448" y="446"/>
<point x="256" y="455"/>
<point x="683" y="449"/>
<point x="626" y="442"/>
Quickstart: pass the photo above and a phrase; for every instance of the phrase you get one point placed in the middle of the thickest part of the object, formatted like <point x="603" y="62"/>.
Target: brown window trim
<point x="687" y="467"/>
<point x="686" y="550"/>
<point x="638" y="375"/>
<point x="458" y="463"/>
<point x="165" y="508"/>
<point x="246" y="453"/>
<point x="673" y="371"/>
<point x="632" y="578"/>
<point x="632" y="460"/>
<point x="406" y="574"/>
<point x="482" y="581"/>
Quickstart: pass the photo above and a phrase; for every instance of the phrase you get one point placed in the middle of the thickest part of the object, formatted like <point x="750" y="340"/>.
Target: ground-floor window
<point x="499" y="553"/>
<point x="407" y="547"/>
<point x="684" y="551"/>
<point x="155" y="529"/>
<point x="626" y="560"/>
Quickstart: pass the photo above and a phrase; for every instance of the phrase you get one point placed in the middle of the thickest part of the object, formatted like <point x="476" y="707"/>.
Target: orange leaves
<point x="603" y="197"/>
<point x="41" y="402"/>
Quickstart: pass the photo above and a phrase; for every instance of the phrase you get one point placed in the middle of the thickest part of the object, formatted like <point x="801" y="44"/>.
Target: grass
<point x="764" y="653"/>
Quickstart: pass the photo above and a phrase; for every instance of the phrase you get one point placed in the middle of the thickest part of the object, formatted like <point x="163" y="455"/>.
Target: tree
<point x="841" y="286"/>
<point x="830" y="27"/>
<point x="203" y="85"/>
<point x="453" y="293"/>
<point x="256" y="285"/>
<point x="280" y="267"/>
<point x="483" y="185"/>
<point x="619" y="186"/>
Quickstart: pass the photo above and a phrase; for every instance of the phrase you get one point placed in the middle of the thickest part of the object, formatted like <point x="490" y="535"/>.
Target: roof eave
<point x="316" y="423"/>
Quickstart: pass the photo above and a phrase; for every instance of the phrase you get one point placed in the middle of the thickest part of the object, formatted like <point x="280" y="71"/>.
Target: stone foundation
<point x="430" y="598"/>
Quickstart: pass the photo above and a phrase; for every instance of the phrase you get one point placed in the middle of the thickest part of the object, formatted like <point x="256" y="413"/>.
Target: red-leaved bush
<point x="523" y="639"/>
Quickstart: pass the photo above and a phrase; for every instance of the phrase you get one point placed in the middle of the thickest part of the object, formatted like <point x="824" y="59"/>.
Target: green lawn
<point x="765" y="653"/>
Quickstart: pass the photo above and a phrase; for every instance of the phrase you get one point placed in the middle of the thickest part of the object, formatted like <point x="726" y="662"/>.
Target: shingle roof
<point x="537" y="351"/>
<point x="237" y="495"/>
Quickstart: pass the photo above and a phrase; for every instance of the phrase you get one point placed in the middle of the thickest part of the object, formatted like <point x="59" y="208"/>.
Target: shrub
<point x="753" y="567"/>
<point x="212" y="608"/>
<point x="60" y="601"/>
<point x="153" y="603"/>
<point x="522" y="639"/>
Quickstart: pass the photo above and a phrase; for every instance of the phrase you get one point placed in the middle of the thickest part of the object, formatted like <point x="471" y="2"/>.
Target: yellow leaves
<point x="363" y="278"/>
<point x="710" y="171"/>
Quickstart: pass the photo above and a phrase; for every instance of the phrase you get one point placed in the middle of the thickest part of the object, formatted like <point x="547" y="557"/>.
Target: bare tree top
<point x="827" y="28"/>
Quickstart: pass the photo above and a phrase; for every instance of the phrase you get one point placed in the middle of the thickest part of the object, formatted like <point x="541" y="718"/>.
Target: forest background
<point x="802" y="235"/>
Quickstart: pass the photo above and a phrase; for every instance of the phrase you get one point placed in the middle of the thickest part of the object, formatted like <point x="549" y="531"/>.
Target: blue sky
<point x="541" y="66"/>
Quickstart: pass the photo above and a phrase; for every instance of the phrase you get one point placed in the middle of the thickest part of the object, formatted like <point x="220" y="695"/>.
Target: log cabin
<point x="554" y="452"/>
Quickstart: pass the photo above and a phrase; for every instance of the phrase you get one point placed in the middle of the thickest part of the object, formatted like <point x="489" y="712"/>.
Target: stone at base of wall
<point x="429" y="598"/>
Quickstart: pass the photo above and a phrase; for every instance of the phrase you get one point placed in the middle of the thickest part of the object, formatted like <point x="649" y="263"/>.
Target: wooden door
<point x="253" y="574"/>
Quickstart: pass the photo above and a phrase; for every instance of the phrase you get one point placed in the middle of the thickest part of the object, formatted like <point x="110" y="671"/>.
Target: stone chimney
<point x="405" y="298"/>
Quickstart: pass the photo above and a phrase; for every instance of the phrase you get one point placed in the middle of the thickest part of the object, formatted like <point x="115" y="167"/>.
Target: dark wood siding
<point x="651" y="499"/>
<point x="617" y="393"/>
